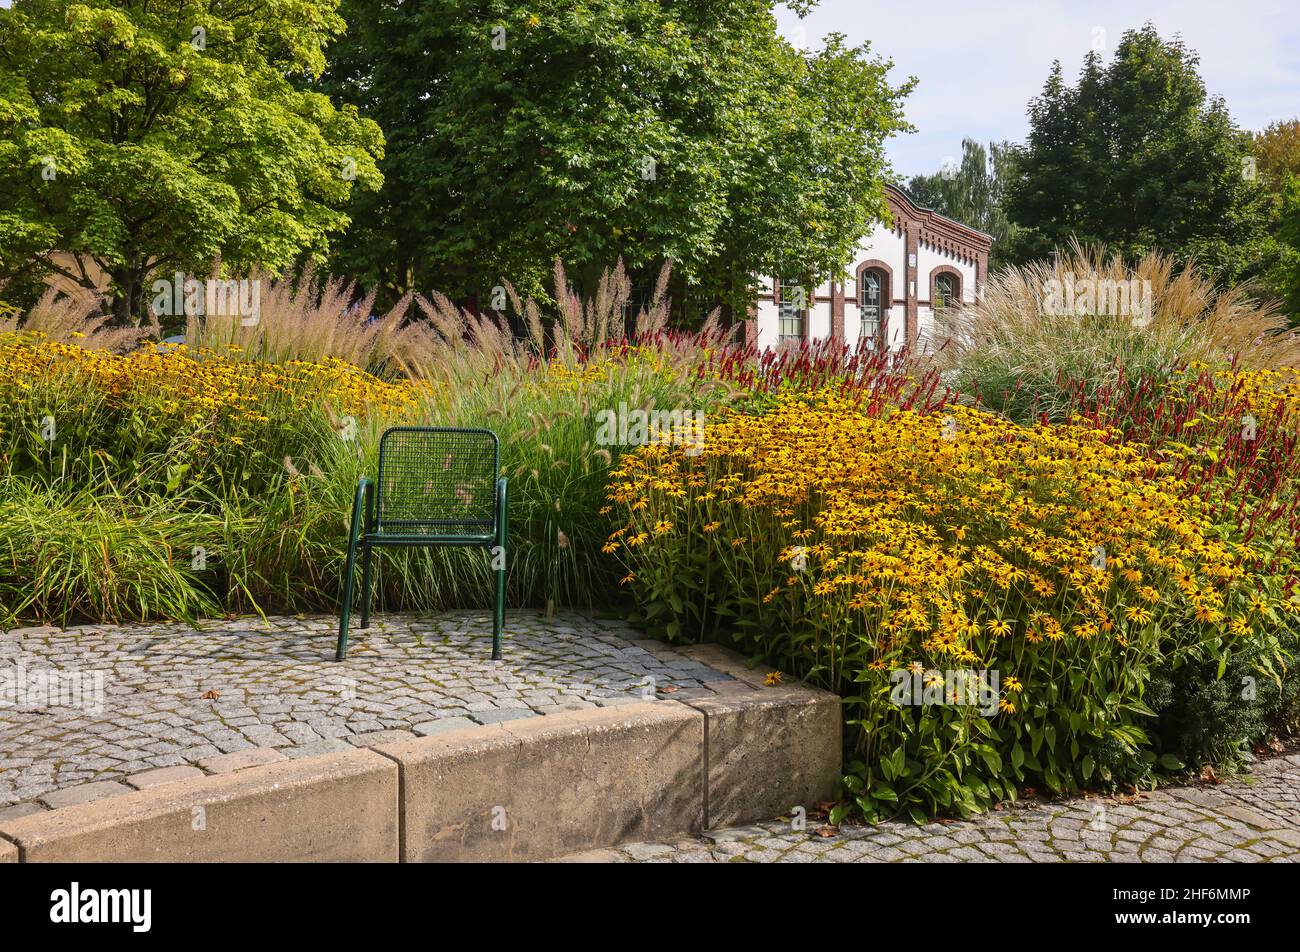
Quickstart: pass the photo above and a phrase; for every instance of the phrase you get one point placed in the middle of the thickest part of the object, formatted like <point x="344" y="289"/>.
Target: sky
<point x="979" y="63"/>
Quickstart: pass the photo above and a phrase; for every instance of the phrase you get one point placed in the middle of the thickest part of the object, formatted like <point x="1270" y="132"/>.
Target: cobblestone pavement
<point x="216" y="697"/>
<point x="1252" y="819"/>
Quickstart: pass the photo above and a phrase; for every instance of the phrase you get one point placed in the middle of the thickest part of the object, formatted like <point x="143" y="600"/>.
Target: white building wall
<point x="890" y="246"/>
<point x="927" y="260"/>
<point x="769" y="315"/>
<point x="768" y="323"/>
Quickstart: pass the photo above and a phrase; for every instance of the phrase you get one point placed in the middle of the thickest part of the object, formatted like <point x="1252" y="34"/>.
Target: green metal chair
<point x="436" y="486"/>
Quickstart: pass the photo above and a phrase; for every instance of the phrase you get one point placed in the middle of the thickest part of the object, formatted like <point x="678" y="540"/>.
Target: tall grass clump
<point x="311" y="317"/>
<point x="546" y="394"/>
<point x="1088" y="317"/>
<point x="255" y="437"/>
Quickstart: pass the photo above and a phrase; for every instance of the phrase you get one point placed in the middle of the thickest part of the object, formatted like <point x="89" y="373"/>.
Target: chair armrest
<point x="502" y="509"/>
<point x="361" y="515"/>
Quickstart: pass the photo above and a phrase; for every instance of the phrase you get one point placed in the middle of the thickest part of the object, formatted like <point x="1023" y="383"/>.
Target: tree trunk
<point x="128" y="280"/>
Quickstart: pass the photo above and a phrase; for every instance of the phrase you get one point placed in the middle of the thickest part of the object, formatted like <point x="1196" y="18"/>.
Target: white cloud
<point x="978" y="64"/>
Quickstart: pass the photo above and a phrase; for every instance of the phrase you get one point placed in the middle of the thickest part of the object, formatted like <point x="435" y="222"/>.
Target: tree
<point x="601" y="129"/>
<point x="1284" y="273"/>
<point x="146" y="137"/>
<point x="1278" y="152"/>
<point x="1138" y="157"/>
<point x="974" y="193"/>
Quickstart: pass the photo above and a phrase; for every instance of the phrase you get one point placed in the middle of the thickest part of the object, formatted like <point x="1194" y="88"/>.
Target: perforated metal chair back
<point x="437" y="483"/>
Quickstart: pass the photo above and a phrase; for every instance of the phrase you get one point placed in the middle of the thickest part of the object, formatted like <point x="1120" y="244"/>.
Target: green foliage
<point x="1138" y="157"/>
<point x="594" y="130"/>
<point x="148" y="137"/>
<point x="974" y="193"/>
<point x="1205" y="718"/>
<point x="94" y="552"/>
<point x="1285" y="276"/>
<point x="1278" y="150"/>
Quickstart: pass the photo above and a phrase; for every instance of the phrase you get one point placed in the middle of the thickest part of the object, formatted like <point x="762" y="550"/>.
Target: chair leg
<point x="345" y="614"/>
<point x="499" y="563"/>
<point x="499" y="614"/>
<point x="365" y="586"/>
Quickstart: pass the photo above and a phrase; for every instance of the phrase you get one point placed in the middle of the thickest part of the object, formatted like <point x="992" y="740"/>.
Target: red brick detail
<point x="837" y="312"/>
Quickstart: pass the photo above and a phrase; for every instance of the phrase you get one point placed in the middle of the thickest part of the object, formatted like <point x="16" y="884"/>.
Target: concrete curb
<point x="528" y="789"/>
<point x="340" y="807"/>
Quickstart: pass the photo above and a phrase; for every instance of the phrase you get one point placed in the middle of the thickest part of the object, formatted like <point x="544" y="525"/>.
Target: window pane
<point x="793" y="319"/>
<point x="945" y="292"/>
<point x="870" y="304"/>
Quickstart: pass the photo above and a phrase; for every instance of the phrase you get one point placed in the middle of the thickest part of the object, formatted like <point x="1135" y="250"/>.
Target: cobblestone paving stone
<point x="174" y="695"/>
<point x="1251" y="819"/>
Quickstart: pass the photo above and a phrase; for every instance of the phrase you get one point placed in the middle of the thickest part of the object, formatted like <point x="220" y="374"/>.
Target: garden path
<point x="1250" y="819"/>
<point x="136" y="698"/>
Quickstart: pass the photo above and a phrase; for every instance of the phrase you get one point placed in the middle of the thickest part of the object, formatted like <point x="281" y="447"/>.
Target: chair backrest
<point x="436" y="481"/>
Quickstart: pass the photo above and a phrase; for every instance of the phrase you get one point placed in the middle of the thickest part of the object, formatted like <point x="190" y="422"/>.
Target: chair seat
<point x="408" y="538"/>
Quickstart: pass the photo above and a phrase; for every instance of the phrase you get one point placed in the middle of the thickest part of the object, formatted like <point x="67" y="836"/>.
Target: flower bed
<point x="1056" y="564"/>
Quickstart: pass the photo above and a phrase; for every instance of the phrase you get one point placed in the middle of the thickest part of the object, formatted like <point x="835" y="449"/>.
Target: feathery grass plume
<point x="1087" y="316"/>
<point x="77" y="316"/>
<point x="311" y="318"/>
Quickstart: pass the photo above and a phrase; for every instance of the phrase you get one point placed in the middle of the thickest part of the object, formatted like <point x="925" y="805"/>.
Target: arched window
<point x="871" y="302"/>
<point x="792" y="310"/>
<point x="875" y="295"/>
<point x="946" y="290"/>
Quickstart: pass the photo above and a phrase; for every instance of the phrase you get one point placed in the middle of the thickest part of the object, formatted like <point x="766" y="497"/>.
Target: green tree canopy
<point x="1277" y="149"/>
<point x="590" y="130"/>
<point x="973" y="192"/>
<point x="1138" y="157"/>
<point x="156" y="136"/>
